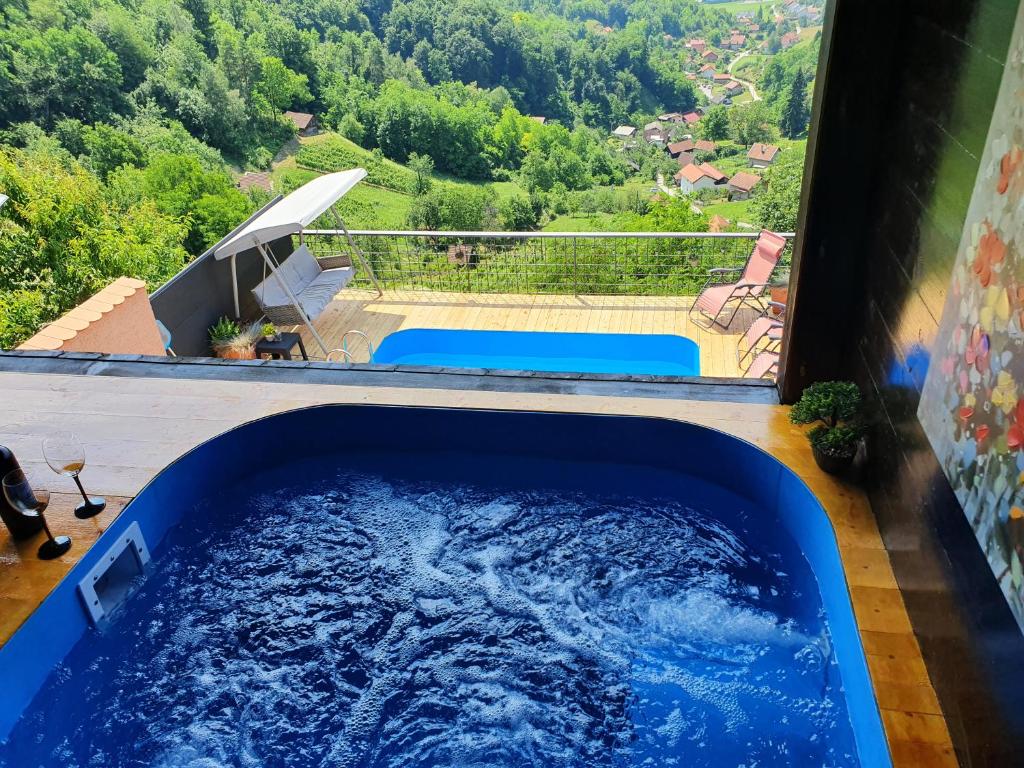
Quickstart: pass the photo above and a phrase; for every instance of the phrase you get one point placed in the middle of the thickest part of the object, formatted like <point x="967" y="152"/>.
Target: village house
<point x="718" y="224"/>
<point x="698" y="45"/>
<point x="671" y="117"/>
<point x="708" y="72"/>
<point x="789" y="39"/>
<point x="654" y="133"/>
<point x="305" y="123"/>
<point x="734" y="88"/>
<point x="538" y="119"/>
<point x="721" y="78"/>
<point x="691" y="117"/>
<point x="734" y="42"/>
<point x="709" y="56"/>
<point x="703" y="145"/>
<point x="741" y="185"/>
<point x="694" y="178"/>
<point x="762" y="155"/>
<point x="624" y="132"/>
<point x="679" y="148"/>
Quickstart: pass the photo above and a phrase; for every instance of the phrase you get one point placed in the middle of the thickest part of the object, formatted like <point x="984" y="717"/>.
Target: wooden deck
<point x="399" y="310"/>
<point x="134" y="427"/>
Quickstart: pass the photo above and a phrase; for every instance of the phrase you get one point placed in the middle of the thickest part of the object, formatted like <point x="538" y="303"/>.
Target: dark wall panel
<point x="906" y="96"/>
<point x="200" y="294"/>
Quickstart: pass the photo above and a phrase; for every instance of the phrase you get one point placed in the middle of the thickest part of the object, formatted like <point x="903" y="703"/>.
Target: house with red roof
<point x="734" y="88"/>
<point x="762" y="155"/>
<point x="694" y="177"/>
<point x="709" y="56"/>
<point x="691" y="117"/>
<point x="697" y="44"/>
<point x="741" y="186"/>
<point x="789" y="39"/>
<point x="679" y="148"/>
<point x="708" y="71"/>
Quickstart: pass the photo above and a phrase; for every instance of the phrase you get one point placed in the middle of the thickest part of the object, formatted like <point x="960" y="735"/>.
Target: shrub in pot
<point x="268" y="331"/>
<point x="834" y="408"/>
<point x="229" y="340"/>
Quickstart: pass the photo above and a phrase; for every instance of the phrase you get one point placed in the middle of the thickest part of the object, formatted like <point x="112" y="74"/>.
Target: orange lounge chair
<point x="716" y="295"/>
<point x="766" y="327"/>
<point x="765" y="364"/>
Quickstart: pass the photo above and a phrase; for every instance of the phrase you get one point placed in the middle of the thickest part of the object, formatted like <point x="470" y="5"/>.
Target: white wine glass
<point x="66" y="456"/>
<point x="20" y="495"/>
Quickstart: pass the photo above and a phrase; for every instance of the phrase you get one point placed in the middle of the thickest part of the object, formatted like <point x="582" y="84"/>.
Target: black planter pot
<point x="828" y="462"/>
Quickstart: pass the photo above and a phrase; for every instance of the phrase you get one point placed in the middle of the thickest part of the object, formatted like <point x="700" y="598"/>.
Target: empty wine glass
<point x="66" y="456"/>
<point x="19" y="493"/>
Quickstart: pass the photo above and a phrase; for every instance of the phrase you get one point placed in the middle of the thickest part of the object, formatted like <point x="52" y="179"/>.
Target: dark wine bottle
<point x="21" y="526"/>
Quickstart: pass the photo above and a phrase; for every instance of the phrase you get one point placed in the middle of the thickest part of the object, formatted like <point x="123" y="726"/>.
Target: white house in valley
<point x="693" y="177"/>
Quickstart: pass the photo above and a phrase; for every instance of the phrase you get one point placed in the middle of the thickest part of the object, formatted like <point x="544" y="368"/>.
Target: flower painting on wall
<point x="972" y="405"/>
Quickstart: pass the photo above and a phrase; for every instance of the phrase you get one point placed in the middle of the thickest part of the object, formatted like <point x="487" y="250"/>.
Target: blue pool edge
<point x="59" y="622"/>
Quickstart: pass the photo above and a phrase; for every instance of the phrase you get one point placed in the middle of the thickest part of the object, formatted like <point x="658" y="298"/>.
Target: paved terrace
<point x="137" y="417"/>
<point x="356" y="309"/>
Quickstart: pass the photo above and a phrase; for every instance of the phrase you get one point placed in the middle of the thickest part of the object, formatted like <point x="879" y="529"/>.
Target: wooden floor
<point x="396" y="311"/>
<point x="133" y="427"/>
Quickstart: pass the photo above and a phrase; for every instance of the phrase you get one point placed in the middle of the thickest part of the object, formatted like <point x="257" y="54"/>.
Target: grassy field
<point x="742" y="5"/>
<point x="735" y="212"/>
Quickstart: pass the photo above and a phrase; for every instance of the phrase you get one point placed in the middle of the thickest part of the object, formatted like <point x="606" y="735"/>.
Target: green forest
<point x="124" y="123"/>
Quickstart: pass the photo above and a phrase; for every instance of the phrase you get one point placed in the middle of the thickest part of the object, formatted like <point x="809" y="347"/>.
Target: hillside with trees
<point x="124" y="124"/>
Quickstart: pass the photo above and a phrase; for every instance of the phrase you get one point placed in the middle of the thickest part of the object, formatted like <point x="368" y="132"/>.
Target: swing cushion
<point x="313" y="287"/>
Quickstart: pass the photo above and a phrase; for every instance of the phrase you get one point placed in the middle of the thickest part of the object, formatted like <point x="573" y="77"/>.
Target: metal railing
<point x="596" y="263"/>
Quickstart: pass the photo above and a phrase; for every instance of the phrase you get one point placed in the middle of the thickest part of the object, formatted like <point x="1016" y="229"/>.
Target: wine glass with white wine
<point x="66" y="456"/>
<point x="31" y="503"/>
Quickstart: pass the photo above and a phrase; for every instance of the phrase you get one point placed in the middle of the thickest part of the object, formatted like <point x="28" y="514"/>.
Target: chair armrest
<point x="777" y="305"/>
<point x="720" y="270"/>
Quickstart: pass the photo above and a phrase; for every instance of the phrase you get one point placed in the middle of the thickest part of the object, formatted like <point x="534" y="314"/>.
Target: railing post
<point x="575" y="266"/>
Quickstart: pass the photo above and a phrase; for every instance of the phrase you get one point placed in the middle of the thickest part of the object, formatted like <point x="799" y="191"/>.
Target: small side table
<point x="281" y="347"/>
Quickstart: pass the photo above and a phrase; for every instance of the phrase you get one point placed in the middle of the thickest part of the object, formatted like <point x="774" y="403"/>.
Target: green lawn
<point x="735" y="211"/>
<point x="367" y="207"/>
<point x="742" y="5"/>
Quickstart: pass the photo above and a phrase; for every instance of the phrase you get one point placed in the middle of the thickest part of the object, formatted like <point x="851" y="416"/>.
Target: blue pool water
<point x="626" y="353"/>
<point x="367" y="586"/>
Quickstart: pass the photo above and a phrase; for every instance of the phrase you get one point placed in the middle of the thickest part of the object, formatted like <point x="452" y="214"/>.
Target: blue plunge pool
<point x="626" y="353"/>
<point x="381" y="586"/>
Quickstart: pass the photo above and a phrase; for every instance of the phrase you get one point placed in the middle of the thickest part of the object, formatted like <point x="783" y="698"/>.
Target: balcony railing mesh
<point x="595" y="263"/>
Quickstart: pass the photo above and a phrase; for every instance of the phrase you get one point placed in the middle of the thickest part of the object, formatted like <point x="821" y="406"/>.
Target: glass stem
<point x="79" y="484"/>
<point x="46" y="527"/>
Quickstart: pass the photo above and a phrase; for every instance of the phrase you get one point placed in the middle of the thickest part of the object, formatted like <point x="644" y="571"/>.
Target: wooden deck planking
<point x="400" y="310"/>
<point x="134" y="427"/>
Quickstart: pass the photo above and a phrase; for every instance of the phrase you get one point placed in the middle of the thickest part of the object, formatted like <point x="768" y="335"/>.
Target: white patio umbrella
<point x="290" y="216"/>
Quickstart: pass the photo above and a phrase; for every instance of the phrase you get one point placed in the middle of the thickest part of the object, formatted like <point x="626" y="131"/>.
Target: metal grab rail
<point x="567" y="263"/>
<point x="343" y="349"/>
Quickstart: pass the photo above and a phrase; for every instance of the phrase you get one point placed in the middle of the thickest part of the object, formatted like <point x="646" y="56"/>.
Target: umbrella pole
<point x="295" y="302"/>
<point x="234" y="286"/>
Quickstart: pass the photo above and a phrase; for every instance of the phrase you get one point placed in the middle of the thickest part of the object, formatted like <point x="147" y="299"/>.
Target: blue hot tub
<point x="379" y="586"/>
<point x="626" y="353"/>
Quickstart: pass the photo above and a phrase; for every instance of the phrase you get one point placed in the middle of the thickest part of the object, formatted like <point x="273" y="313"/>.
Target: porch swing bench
<point x="297" y="290"/>
<point x="312" y="286"/>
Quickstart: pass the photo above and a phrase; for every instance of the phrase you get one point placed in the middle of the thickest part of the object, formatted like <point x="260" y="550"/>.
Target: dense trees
<point x="777" y="205"/>
<point x="64" y="237"/>
<point x="784" y="86"/>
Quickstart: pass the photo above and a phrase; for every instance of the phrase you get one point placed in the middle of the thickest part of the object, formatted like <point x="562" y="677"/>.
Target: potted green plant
<point x="221" y="333"/>
<point x="243" y="345"/>
<point x="268" y="331"/>
<point x="834" y="408"/>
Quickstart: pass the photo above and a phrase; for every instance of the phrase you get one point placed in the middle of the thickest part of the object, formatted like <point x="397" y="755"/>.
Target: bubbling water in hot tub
<point x="367" y="621"/>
